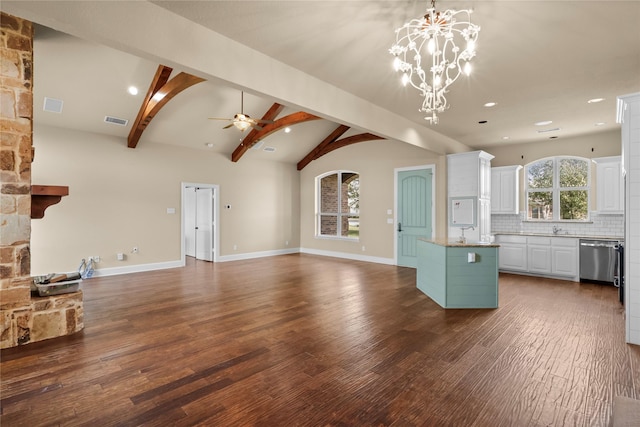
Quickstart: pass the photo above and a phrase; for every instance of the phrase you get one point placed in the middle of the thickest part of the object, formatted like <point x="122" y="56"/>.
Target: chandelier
<point x="447" y="42"/>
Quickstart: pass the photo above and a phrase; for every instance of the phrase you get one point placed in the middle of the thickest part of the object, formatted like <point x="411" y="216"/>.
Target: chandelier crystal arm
<point x="442" y="41"/>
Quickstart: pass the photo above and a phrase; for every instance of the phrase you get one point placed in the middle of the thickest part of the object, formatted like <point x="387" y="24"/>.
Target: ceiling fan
<point x="243" y="121"/>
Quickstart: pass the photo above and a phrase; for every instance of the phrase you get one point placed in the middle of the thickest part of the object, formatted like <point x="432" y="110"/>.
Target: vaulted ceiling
<point x="538" y="60"/>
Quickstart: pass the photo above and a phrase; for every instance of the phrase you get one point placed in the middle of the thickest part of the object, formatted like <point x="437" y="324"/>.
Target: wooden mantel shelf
<point x="43" y="196"/>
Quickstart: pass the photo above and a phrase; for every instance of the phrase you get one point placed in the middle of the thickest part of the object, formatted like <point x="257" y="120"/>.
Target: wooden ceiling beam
<point x="337" y="133"/>
<point x="334" y="145"/>
<point x="160" y="92"/>
<point x="253" y="138"/>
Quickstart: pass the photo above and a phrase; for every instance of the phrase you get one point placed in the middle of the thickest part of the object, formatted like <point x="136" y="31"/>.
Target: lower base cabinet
<point x="539" y="255"/>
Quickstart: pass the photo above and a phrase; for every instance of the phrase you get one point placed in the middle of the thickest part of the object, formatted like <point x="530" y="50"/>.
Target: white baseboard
<point x="344" y="255"/>
<point x="113" y="271"/>
<point x="252" y="255"/>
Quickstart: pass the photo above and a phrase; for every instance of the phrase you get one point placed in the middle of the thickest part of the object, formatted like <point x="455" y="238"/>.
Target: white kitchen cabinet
<point x="564" y="256"/>
<point x="609" y="187"/>
<point x="505" y="189"/>
<point x="539" y="254"/>
<point x="469" y="177"/>
<point x="512" y="253"/>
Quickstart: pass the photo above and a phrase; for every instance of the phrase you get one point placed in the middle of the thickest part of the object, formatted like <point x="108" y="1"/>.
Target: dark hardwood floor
<point x="302" y="340"/>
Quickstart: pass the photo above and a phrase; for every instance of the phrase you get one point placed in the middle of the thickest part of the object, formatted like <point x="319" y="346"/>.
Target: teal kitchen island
<point x="458" y="275"/>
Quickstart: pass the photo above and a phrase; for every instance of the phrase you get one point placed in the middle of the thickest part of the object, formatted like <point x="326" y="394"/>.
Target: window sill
<point x="347" y="239"/>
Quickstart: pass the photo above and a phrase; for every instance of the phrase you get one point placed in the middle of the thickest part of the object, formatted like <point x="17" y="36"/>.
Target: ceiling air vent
<point x="52" y="105"/>
<point x="115" y="120"/>
<point x="258" y="145"/>
<point x="269" y="149"/>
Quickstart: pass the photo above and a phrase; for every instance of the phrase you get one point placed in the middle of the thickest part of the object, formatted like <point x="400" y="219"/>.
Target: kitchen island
<point x="458" y="275"/>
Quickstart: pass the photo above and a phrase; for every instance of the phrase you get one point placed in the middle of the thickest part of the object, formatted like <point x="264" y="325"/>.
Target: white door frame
<point x="216" y="216"/>
<point x="395" y="203"/>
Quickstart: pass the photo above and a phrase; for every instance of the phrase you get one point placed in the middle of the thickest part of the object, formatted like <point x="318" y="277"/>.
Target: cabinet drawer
<point x="506" y="238"/>
<point x="567" y="242"/>
<point x="546" y="241"/>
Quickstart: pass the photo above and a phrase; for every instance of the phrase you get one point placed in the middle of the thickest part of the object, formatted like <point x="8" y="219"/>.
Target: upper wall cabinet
<point x="609" y="187"/>
<point x="505" y="189"/>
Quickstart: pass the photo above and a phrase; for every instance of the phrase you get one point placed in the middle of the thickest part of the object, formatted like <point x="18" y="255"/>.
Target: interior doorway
<point x="200" y="212"/>
<point x="415" y="211"/>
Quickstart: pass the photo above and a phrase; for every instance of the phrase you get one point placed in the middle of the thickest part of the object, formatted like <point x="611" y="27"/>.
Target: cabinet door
<point x="512" y="257"/>
<point x="564" y="261"/>
<point x="609" y="185"/>
<point x="496" y="191"/>
<point x="539" y="259"/>
<point x="484" y="220"/>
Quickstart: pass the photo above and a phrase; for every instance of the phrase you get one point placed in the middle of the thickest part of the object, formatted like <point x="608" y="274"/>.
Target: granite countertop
<point x="562" y="234"/>
<point x="455" y="243"/>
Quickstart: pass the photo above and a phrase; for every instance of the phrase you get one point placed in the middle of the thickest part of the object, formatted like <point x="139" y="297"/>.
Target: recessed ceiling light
<point x="600" y="124"/>
<point x="595" y="100"/>
<point x="133" y="90"/>
<point x="287" y="129"/>
<point x="543" y="123"/>
<point x="505" y="137"/>
<point x="208" y="144"/>
<point x="490" y="104"/>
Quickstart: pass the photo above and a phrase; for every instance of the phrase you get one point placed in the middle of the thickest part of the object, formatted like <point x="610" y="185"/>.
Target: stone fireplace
<point x="23" y="318"/>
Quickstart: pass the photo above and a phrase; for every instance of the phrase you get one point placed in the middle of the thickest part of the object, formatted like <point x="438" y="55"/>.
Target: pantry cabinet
<point x="469" y="194"/>
<point x="609" y="197"/>
<point x="505" y="189"/>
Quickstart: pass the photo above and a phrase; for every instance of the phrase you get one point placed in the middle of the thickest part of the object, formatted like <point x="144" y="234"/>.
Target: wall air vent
<point x="52" y="105"/>
<point x="269" y="149"/>
<point x="115" y="120"/>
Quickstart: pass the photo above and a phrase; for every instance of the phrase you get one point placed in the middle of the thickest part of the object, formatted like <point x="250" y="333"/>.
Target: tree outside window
<point x="558" y="189"/>
<point x="339" y="205"/>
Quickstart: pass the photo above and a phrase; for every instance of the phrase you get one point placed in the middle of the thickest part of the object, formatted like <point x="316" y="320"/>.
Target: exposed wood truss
<point x="160" y="92"/>
<point x="332" y="142"/>
<point x="255" y="136"/>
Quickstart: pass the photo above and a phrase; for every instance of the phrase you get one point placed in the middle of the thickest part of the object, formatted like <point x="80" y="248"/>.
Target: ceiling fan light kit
<point x="242" y="121"/>
<point x="447" y="41"/>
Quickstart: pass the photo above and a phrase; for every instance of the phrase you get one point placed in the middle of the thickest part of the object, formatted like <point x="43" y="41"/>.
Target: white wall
<point x="118" y="199"/>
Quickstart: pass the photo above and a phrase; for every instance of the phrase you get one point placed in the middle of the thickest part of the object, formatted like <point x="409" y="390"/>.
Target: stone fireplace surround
<point x="23" y="318"/>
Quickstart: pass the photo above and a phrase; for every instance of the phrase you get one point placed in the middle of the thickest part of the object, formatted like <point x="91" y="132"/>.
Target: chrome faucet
<point x="556" y="229"/>
<point x="462" y="238"/>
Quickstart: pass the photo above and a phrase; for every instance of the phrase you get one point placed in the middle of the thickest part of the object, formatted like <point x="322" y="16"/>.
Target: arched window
<point x="557" y="189"/>
<point x="338" y="205"/>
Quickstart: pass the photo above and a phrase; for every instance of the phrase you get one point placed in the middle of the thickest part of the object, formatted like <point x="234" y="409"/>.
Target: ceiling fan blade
<point x="228" y="126"/>
<point x="265" y="121"/>
<point x="256" y="127"/>
<point x="218" y="118"/>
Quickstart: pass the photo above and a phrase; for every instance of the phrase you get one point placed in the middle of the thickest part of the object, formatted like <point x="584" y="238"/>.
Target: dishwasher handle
<point x="599" y="245"/>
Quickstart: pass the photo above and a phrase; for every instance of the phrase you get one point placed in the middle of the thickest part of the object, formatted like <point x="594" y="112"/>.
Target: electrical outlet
<point x="134" y="250"/>
<point x="235" y="247"/>
<point x="120" y="256"/>
<point x="286" y="243"/>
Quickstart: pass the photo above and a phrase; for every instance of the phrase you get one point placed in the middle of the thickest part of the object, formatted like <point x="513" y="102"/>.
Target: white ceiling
<point x="539" y="60"/>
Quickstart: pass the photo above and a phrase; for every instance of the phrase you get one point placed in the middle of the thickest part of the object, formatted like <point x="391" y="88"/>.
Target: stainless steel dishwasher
<point x="598" y="260"/>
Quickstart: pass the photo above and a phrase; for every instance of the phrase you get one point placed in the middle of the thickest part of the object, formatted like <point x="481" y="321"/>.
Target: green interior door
<point x="414" y="213"/>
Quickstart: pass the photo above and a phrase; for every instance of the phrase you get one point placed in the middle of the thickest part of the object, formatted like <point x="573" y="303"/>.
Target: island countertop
<point x="455" y="244"/>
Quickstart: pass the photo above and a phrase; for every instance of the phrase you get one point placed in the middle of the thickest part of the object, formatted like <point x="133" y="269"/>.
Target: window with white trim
<point x="558" y="189"/>
<point x="338" y="205"/>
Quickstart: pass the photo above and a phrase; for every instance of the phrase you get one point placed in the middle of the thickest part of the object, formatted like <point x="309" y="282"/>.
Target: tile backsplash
<point x="599" y="225"/>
